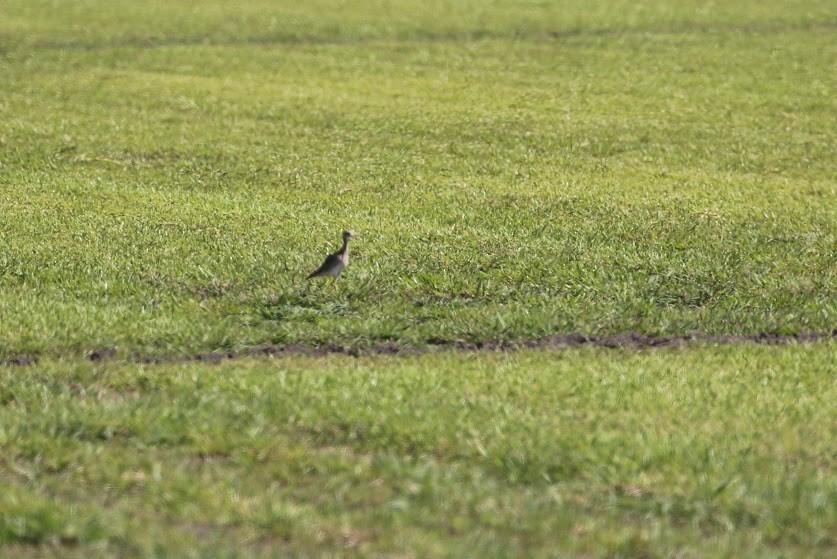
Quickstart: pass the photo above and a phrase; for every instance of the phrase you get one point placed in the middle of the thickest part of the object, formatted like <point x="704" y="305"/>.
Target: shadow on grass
<point x="305" y="306"/>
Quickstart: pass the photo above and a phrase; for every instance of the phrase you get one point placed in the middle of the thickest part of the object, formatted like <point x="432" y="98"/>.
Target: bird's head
<point x="348" y="235"/>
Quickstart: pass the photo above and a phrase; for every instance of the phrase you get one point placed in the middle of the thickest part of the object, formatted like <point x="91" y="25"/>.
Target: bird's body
<point x="335" y="263"/>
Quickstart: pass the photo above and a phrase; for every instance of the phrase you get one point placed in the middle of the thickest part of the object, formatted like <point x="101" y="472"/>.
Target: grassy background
<point x="169" y="173"/>
<point x="703" y="452"/>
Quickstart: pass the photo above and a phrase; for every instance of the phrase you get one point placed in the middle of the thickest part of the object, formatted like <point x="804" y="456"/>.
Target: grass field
<point x="171" y="171"/>
<point x="169" y="176"/>
<point x="724" y="452"/>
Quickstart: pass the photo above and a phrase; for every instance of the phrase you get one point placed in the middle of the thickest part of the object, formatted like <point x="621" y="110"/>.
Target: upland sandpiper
<point x="335" y="263"/>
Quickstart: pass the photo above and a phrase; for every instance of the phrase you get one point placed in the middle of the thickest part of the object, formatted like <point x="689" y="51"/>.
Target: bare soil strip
<point x="629" y="340"/>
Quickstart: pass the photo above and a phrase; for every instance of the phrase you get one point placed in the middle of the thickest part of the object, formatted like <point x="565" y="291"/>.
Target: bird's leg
<point x="334" y="283"/>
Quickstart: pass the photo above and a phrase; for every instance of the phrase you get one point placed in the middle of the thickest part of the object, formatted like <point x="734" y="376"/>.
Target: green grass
<point x="514" y="169"/>
<point x="169" y="172"/>
<point x="709" y="452"/>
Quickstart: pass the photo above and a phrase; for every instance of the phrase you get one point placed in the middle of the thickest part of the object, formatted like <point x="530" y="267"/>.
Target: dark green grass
<point x="169" y="174"/>
<point x="94" y="24"/>
<point x="710" y="452"/>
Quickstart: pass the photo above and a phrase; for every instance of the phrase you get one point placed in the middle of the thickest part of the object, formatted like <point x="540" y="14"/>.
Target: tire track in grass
<point x="755" y="27"/>
<point x="628" y="340"/>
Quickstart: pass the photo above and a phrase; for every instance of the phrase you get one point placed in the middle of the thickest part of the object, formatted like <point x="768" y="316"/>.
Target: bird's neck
<point x="345" y="248"/>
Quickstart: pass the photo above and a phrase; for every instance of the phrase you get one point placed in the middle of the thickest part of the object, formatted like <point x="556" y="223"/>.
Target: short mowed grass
<point x="169" y="173"/>
<point x="699" y="452"/>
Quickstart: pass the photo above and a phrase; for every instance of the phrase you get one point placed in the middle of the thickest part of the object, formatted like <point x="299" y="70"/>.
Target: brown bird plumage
<point x="337" y="262"/>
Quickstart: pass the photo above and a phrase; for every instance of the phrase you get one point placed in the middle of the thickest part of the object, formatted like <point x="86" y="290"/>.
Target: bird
<point x="335" y="263"/>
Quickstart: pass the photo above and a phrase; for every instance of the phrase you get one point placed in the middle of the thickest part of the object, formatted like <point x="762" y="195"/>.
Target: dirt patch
<point x="100" y="354"/>
<point x="20" y="361"/>
<point x="628" y="340"/>
<point x="634" y="340"/>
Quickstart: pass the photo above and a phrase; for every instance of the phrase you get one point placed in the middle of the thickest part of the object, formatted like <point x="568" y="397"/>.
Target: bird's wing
<point x="330" y="262"/>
